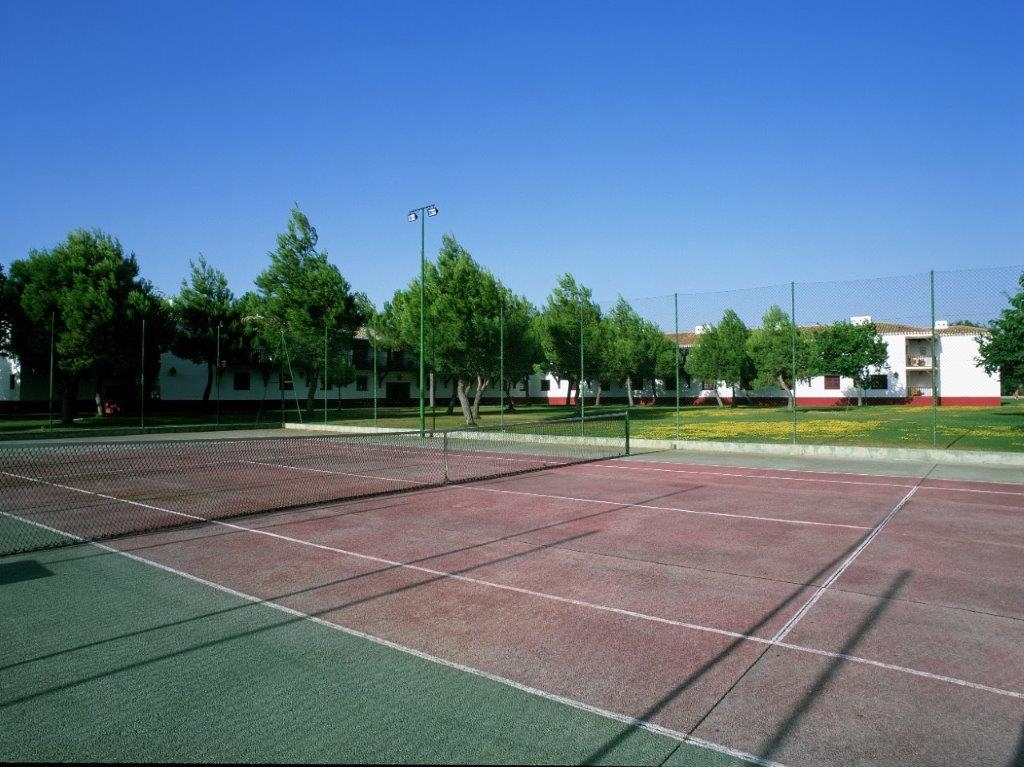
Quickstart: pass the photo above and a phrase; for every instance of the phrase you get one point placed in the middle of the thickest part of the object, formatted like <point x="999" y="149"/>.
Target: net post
<point x="627" y="431"/>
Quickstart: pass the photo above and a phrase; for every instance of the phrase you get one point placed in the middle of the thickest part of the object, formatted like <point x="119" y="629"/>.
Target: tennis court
<point x="543" y="599"/>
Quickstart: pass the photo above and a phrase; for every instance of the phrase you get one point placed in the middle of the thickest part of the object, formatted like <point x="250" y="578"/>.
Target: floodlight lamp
<point x="412" y="216"/>
<point x="431" y="210"/>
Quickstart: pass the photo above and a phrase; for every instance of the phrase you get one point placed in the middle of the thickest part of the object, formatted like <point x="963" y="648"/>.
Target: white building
<point x="905" y="378"/>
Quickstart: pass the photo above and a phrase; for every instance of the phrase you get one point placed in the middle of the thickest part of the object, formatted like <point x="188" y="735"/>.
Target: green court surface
<point x="103" y="658"/>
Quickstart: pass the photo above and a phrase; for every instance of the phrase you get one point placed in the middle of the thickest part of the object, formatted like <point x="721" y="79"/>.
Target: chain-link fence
<point x="882" y="361"/>
<point x="921" y="383"/>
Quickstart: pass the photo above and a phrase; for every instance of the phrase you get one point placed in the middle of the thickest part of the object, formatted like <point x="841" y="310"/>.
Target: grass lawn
<point x="968" y="428"/>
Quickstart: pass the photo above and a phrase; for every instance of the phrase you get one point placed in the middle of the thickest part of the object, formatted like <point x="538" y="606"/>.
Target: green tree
<point x="850" y="350"/>
<point x="304" y="298"/>
<point x="570" y="313"/>
<point x="772" y="349"/>
<point x="1002" y="346"/>
<point x="464" y="303"/>
<point x="90" y="293"/>
<point x="720" y="354"/>
<point x="522" y="345"/>
<point x="635" y="349"/>
<point x="206" y="320"/>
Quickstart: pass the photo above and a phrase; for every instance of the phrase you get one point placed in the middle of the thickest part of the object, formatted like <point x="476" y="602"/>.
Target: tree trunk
<point x="480" y="386"/>
<point x="860" y="396"/>
<point x="510" y="404"/>
<point x="790" y="398"/>
<point x="312" y="379"/>
<point x="209" y="381"/>
<point x="718" y="396"/>
<point x="629" y="391"/>
<point x="454" y="394"/>
<point x="68" y="391"/>
<point x="463" y="395"/>
<point x="597" y="396"/>
<point x="433" y="401"/>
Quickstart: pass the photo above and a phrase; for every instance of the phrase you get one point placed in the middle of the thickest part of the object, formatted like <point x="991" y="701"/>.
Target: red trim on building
<point x="971" y="401"/>
<point x="821" y="401"/>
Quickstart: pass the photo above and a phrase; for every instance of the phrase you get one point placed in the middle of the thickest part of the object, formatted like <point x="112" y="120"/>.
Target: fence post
<point x="53" y="323"/>
<point x="444" y="453"/>
<point x="676" y="305"/>
<point x="792" y="348"/>
<point x="935" y="366"/>
<point x="142" y="379"/>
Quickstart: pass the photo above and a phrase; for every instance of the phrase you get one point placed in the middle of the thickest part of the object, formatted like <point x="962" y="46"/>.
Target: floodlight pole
<point x="421" y="214"/>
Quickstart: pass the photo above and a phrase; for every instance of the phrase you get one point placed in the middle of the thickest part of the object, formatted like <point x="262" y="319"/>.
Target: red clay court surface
<point x="799" y="617"/>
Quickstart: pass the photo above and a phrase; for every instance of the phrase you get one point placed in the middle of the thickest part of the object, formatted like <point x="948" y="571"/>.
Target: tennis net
<point x="58" y="494"/>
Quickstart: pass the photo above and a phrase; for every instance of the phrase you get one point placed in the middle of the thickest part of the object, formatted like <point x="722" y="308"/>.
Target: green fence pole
<point x="501" y="363"/>
<point x="579" y="386"/>
<point x="792" y="349"/>
<point x="935" y="365"/>
<point x="325" y="374"/>
<point x="53" y="323"/>
<point x="142" y="379"/>
<point x="676" y="303"/>
<point x="217" y="373"/>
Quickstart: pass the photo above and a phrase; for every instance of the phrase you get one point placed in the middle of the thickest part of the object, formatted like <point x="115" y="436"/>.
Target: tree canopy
<point x="88" y="293"/>
<point x="1001" y="349"/>
<point x="206" y="319"/>
<point x="465" y="306"/>
<point x="720" y="354"/>
<point x="849" y="350"/>
<point x="303" y="300"/>
<point x="571" y="319"/>
<point x="773" y="349"/>
<point x="635" y="349"/>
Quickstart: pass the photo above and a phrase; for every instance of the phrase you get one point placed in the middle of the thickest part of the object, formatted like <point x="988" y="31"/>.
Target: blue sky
<point x="648" y="148"/>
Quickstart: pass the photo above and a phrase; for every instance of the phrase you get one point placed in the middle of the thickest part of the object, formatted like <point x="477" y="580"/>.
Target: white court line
<point x="625" y="505"/>
<point x="547" y="596"/>
<point x="783" y="478"/>
<point x="799" y="614"/>
<point x="335" y="473"/>
<point x="550" y="696"/>
<point x="760" y="477"/>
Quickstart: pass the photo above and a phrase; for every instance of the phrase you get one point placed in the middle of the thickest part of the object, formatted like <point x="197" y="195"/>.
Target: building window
<point x="707" y="386"/>
<point x="831" y="382"/>
<point x="287" y="384"/>
<point x="243" y="380"/>
<point x="362" y="383"/>
<point x="669" y="384"/>
<point x="545" y="384"/>
<point x="14" y="381"/>
<point x="880" y="382"/>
